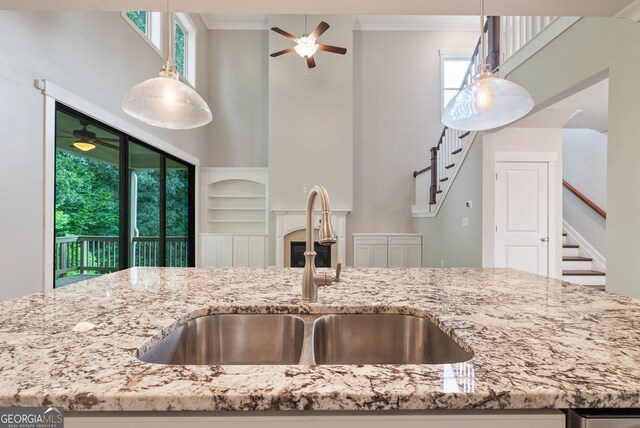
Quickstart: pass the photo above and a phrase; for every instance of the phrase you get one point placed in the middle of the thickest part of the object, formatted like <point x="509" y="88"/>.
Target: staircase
<point x="578" y="267"/>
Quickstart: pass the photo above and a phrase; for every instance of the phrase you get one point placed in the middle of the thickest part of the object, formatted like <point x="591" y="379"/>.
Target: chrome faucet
<point x="311" y="279"/>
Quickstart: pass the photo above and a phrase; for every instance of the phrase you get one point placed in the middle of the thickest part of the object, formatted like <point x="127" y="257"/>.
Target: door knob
<point x="544" y="239"/>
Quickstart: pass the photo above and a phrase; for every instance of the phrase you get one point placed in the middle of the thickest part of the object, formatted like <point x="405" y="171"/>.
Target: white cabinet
<point x="233" y="250"/>
<point x="387" y="250"/>
<point x="234" y="217"/>
<point x="405" y="251"/>
<point x="249" y="251"/>
<point x="369" y="251"/>
<point x="429" y="419"/>
<point x="216" y="250"/>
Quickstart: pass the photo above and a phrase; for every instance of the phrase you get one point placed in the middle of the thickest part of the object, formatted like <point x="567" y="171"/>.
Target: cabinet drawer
<point x="370" y="240"/>
<point x="405" y="240"/>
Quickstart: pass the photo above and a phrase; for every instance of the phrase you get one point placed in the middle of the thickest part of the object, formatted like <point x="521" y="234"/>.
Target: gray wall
<point x="585" y="168"/>
<point x="311" y="117"/>
<point x="445" y="242"/>
<point x="238" y="76"/>
<point x="396" y="120"/>
<point x="98" y="57"/>
<point x="587" y="49"/>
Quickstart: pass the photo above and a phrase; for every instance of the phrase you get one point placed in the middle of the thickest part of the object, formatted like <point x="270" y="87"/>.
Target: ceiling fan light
<point x="85" y="146"/>
<point x="306" y="47"/>
<point x="487" y="103"/>
<point x="166" y="102"/>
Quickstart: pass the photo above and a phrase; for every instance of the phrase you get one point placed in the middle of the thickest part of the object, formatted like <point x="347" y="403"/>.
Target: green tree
<point x="138" y="17"/>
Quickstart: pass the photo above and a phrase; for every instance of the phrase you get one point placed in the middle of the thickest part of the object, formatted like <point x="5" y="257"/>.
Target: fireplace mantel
<point x="288" y="221"/>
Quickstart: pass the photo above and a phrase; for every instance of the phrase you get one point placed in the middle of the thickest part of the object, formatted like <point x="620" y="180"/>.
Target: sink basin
<point x="232" y="339"/>
<point x="383" y="339"/>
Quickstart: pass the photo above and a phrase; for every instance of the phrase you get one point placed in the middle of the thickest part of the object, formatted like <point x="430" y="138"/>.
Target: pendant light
<point x="487" y="102"/>
<point x="165" y="101"/>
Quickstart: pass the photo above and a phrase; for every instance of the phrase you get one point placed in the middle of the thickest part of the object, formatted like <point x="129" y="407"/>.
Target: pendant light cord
<point x="170" y="33"/>
<point x="482" y="56"/>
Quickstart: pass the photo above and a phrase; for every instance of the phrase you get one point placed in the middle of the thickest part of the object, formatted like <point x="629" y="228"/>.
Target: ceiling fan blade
<point x="284" y="33"/>
<point x="104" y="143"/>
<point x="311" y="62"/>
<point x="332" y="49"/>
<point x="282" y="52"/>
<point x="319" y="30"/>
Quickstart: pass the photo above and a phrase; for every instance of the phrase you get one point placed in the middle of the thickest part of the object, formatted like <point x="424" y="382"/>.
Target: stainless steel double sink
<point x="307" y="340"/>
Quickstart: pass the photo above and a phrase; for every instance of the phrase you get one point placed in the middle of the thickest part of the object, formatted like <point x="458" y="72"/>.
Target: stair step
<point x="439" y="191"/>
<point x="455" y="152"/>
<point x="442" y="180"/>
<point x="582" y="273"/>
<point x="464" y="134"/>
<point x="571" y="246"/>
<point x="450" y="166"/>
<point x="576" y="259"/>
<point x="564" y="234"/>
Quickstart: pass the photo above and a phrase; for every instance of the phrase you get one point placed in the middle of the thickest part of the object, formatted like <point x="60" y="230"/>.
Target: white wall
<point x="238" y="88"/>
<point x="518" y="141"/>
<point x="589" y="48"/>
<point x="396" y="120"/>
<point x="98" y="57"/>
<point x="585" y="168"/>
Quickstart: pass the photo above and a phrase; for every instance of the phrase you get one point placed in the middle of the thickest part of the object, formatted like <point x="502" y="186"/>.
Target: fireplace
<point x="291" y="227"/>
<point x="323" y="254"/>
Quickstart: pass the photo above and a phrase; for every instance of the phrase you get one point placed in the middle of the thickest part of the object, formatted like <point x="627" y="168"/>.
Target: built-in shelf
<point x="236" y="200"/>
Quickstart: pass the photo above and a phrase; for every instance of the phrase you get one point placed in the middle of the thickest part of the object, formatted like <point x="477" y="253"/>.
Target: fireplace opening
<point x="323" y="254"/>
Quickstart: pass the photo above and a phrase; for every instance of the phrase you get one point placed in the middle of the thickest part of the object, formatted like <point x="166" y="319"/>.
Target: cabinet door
<point x="378" y="256"/>
<point x="397" y="256"/>
<point x="413" y="256"/>
<point x="240" y="251"/>
<point x="257" y="251"/>
<point x="216" y="251"/>
<point x="362" y="256"/>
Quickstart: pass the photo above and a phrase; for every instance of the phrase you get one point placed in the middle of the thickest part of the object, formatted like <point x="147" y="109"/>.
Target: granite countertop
<point x="538" y="343"/>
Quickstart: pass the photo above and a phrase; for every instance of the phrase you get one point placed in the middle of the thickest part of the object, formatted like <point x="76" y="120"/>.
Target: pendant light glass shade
<point x="166" y="102"/>
<point x="488" y="102"/>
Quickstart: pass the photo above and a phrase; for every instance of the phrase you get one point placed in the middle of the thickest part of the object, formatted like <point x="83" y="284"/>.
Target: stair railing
<point x="503" y="37"/>
<point x="584" y="199"/>
<point x="449" y="144"/>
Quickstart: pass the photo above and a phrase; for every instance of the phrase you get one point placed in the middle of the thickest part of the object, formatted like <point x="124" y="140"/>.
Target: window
<point x="119" y="203"/>
<point x="184" y="54"/>
<point x="148" y="25"/>
<point x="453" y="69"/>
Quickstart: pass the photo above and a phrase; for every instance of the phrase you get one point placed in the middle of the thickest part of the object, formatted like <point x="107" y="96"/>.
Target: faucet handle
<point x="338" y="270"/>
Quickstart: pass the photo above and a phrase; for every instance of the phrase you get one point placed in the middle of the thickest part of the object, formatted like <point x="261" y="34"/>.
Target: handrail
<point x="586" y="200"/>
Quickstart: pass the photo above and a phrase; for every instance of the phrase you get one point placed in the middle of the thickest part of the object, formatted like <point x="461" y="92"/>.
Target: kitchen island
<point x="538" y="343"/>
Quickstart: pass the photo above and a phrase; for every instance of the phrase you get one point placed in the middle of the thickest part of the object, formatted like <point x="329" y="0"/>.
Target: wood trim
<point x="586" y="200"/>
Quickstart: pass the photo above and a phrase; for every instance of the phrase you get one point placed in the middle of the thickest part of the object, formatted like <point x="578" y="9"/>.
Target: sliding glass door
<point x="119" y="202"/>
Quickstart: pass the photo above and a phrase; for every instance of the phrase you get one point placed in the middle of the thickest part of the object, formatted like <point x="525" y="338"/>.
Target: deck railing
<point x="100" y="254"/>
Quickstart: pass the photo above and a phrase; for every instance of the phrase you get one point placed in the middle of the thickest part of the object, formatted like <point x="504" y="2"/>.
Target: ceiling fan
<point x="306" y="45"/>
<point x="86" y="140"/>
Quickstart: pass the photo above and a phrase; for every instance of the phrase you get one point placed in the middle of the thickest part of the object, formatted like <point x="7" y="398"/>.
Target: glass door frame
<point x="124" y="208"/>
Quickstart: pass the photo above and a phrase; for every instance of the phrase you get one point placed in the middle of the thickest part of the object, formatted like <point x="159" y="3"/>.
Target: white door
<point x="522" y="216"/>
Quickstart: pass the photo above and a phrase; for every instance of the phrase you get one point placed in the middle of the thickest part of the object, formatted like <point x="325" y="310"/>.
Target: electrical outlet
<point x="465" y="221"/>
<point x="304" y="190"/>
<point x="441" y="263"/>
